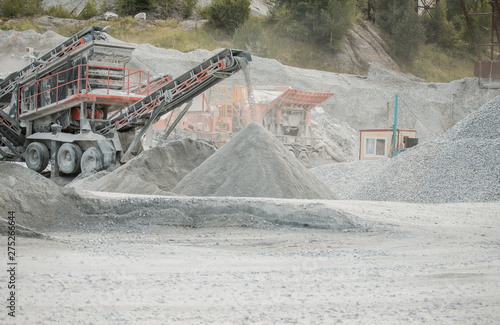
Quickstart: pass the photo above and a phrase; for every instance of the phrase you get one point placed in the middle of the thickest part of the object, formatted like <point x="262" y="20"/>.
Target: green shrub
<point x="58" y="12"/>
<point x="132" y="7"/>
<point x="104" y="7"/>
<point x="228" y="14"/>
<point x="399" y="19"/>
<point x="89" y="10"/>
<point x="11" y="8"/>
<point x="287" y="26"/>
<point x="438" y="29"/>
<point x="204" y="12"/>
<point x="188" y="8"/>
<point x="324" y="22"/>
<point x="178" y="8"/>
<point x="33" y="7"/>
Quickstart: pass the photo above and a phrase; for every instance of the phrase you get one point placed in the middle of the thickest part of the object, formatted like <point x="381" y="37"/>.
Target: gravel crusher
<point x="79" y="108"/>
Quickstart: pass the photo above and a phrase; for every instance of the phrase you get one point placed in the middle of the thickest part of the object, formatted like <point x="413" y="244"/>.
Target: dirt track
<point x="415" y="264"/>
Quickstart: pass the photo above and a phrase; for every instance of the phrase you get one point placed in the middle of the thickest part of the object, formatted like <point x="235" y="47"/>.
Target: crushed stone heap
<point x="463" y="165"/>
<point x="154" y="171"/>
<point x="38" y="203"/>
<point x="253" y="164"/>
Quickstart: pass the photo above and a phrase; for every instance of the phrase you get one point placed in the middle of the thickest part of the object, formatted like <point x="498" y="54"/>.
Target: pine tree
<point x="399" y="19"/>
<point x="321" y="21"/>
<point x="438" y="29"/>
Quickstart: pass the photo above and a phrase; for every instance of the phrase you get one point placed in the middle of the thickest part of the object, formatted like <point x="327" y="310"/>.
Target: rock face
<point x="140" y="16"/>
<point x="363" y="47"/>
<point x="110" y="15"/>
<point x="155" y="171"/>
<point x="253" y="164"/>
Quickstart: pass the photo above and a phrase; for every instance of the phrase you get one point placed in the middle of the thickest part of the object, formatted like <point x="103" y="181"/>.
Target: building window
<point x="375" y="147"/>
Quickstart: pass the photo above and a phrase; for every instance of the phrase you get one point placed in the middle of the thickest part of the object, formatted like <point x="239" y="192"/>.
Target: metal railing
<point x="82" y="79"/>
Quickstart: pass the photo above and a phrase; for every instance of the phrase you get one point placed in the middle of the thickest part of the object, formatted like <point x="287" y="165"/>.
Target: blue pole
<point x="395" y="127"/>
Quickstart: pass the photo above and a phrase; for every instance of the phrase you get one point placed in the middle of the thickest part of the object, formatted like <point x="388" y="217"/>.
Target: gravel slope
<point x="253" y="164"/>
<point x="460" y="166"/>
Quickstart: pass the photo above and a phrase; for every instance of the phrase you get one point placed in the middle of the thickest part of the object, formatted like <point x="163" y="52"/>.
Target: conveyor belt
<point x="181" y="89"/>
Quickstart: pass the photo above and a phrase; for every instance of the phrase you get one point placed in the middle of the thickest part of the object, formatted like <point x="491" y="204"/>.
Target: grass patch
<point x="434" y="64"/>
<point x="263" y="40"/>
<point x="21" y="25"/>
<point x="165" y="34"/>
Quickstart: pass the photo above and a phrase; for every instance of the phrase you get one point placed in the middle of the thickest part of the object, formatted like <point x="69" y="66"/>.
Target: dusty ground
<point x="411" y="264"/>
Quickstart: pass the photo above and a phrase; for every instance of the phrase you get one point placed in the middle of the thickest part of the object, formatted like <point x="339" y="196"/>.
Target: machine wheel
<point x="92" y="160"/>
<point x="37" y="156"/>
<point x="303" y="154"/>
<point x="68" y="158"/>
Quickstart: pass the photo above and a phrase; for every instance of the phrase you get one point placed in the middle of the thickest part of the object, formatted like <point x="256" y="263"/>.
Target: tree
<point x="438" y="29"/>
<point x="228" y="14"/>
<point x="321" y="21"/>
<point x="408" y="33"/>
<point x="399" y="19"/>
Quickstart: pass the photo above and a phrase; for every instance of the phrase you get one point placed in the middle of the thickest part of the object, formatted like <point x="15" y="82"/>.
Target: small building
<point x="377" y="143"/>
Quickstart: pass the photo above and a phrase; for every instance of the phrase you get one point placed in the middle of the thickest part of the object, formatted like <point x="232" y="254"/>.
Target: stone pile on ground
<point x="155" y="171"/>
<point x="460" y="166"/>
<point x="253" y="164"/>
<point x="37" y="202"/>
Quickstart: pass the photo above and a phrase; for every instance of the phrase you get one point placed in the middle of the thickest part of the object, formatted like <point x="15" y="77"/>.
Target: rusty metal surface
<point x="298" y="98"/>
<point x="487" y="69"/>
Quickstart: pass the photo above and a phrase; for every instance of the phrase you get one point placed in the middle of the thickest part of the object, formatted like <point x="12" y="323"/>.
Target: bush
<point x="324" y="22"/>
<point x="89" y="11"/>
<point x="132" y="7"/>
<point x="16" y="8"/>
<point x="11" y="8"/>
<point x="188" y="8"/>
<point x="58" y="12"/>
<point x="399" y="19"/>
<point x="408" y="33"/>
<point x="286" y="25"/>
<point x="438" y="29"/>
<point x="104" y="7"/>
<point x="228" y="14"/>
<point x="178" y="8"/>
<point x="33" y="7"/>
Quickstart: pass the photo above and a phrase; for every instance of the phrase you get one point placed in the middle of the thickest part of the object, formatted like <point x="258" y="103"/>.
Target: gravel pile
<point x="38" y="202"/>
<point x="461" y="166"/>
<point x="253" y="164"/>
<point x="339" y="137"/>
<point x="348" y="177"/>
<point x="154" y="171"/>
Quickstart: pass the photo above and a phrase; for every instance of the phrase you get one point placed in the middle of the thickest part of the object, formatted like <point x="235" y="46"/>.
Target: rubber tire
<point x="69" y="156"/>
<point x="37" y="156"/>
<point x="92" y="160"/>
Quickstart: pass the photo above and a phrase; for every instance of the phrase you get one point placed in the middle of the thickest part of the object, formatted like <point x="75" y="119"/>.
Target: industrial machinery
<point x="284" y="112"/>
<point x="78" y="107"/>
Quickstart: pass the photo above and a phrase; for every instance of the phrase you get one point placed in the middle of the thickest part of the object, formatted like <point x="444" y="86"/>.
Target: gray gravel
<point x="461" y="166"/>
<point x="253" y="164"/>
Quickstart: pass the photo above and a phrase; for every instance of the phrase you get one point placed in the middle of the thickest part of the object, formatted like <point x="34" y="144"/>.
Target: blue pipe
<point x="394" y="131"/>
